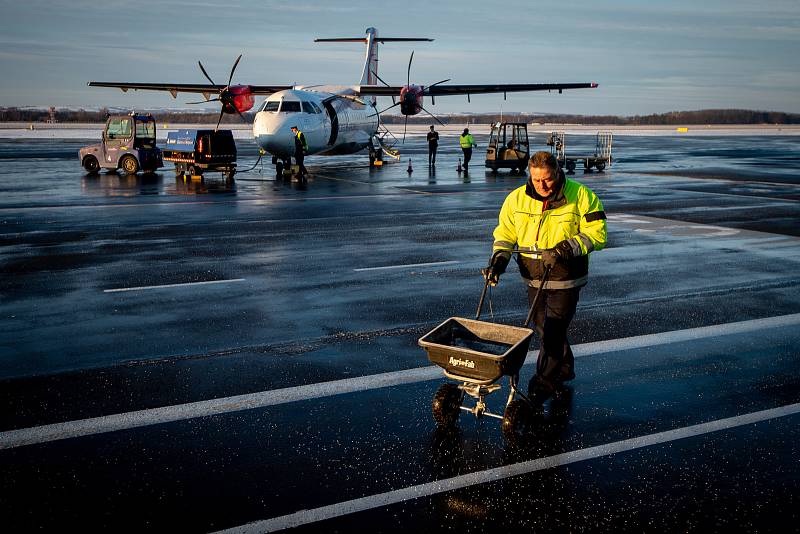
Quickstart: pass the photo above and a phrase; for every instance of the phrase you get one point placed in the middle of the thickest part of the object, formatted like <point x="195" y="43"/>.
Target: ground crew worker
<point x="562" y="221"/>
<point x="300" y="149"/>
<point x="467" y="142"/>
<point x="433" y="144"/>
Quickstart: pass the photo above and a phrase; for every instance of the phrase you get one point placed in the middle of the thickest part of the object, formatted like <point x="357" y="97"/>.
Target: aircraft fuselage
<point x="331" y="119"/>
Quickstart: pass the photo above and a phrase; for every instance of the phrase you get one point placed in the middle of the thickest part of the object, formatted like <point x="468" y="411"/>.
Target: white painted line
<point x="143" y="288"/>
<point x="111" y="423"/>
<point x="305" y="517"/>
<point x="407" y="265"/>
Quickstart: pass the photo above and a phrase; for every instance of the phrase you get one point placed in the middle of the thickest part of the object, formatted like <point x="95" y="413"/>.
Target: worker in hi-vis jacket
<point x="558" y="222"/>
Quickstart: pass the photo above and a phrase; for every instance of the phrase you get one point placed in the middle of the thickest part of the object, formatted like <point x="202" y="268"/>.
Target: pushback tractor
<point x="476" y="355"/>
<point x="128" y="144"/>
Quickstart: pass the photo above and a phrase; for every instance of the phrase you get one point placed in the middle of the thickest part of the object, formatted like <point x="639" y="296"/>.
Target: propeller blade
<point x="385" y="110"/>
<point x="230" y="79"/>
<point x="204" y="101"/>
<point x="244" y="119"/>
<point x="206" y="74"/>
<point x="408" y="77"/>
<point x="432" y="115"/>
<point x="406" y="123"/>
<point x="435" y="84"/>
<point x="221" y="112"/>
<point x="379" y="78"/>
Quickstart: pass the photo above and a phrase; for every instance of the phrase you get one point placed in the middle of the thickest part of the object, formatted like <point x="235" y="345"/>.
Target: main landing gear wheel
<point x="447" y="404"/>
<point x="518" y="420"/>
<point x="91" y="164"/>
<point x="129" y="165"/>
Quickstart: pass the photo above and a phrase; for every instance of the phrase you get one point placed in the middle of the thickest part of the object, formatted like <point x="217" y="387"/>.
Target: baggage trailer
<point x="599" y="160"/>
<point x="196" y="151"/>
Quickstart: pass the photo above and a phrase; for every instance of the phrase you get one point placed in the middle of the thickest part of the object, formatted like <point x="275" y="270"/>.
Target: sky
<point x="647" y="57"/>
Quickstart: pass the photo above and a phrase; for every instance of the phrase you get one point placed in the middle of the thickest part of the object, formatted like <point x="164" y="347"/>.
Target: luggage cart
<point x="477" y="354"/>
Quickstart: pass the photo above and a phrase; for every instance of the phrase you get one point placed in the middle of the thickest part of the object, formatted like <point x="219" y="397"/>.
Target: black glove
<point x="561" y="252"/>
<point x="550" y="257"/>
<point x="498" y="267"/>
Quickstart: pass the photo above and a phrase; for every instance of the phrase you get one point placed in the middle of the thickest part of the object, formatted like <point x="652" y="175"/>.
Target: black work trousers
<point x="432" y="153"/>
<point x="554" y="313"/>
<point x="467" y="155"/>
<point x="299" y="159"/>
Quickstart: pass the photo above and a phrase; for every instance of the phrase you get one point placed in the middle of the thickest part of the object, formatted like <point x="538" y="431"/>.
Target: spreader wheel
<point x="518" y="420"/>
<point x="447" y="404"/>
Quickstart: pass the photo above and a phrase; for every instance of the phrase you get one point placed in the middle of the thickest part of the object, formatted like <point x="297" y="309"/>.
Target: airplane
<point x="334" y="119"/>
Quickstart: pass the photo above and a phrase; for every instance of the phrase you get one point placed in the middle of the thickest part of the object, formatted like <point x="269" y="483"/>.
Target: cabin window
<point x="119" y="128"/>
<point x="290" y="107"/>
<point x="146" y="129"/>
<point x="271" y="105"/>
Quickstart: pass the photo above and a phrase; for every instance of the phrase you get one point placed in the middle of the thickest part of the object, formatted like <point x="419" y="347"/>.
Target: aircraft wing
<point x="473" y="89"/>
<point x="175" y="88"/>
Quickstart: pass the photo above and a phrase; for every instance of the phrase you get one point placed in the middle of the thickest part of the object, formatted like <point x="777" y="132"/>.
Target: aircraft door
<point x="334" y="121"/>
<point x="119" y="131"/>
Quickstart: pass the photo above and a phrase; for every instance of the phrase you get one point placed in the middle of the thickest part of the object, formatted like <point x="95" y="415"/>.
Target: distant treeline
<point x="703" y="116"/>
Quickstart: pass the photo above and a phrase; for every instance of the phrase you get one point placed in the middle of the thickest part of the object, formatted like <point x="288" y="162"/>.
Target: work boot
<point x="538" y="392"/>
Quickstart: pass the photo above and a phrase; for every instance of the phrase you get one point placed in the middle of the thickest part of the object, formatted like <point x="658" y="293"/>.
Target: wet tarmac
<point x="201" y="355"/>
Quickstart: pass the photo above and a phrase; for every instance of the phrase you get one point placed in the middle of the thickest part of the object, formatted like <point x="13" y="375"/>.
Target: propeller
<point x="227" y="95"/>
<point x="410" y="97"/>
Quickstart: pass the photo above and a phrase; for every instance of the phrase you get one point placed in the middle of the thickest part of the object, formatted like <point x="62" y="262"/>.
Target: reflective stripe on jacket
<point x="466" y="141"/>
<point x="300" y="145"/>
<point x="575" y="215"/>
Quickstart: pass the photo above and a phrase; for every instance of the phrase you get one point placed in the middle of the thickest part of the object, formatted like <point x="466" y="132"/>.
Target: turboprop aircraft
<point x="334" y="119"/>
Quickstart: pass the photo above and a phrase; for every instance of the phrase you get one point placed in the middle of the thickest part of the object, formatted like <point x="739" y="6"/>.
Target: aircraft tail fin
<point x="369" y="74"/>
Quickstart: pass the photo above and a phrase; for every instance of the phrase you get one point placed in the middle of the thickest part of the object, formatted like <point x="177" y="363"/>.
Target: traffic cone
<point x="409" y="170"/>
<point x="459" y="169"/>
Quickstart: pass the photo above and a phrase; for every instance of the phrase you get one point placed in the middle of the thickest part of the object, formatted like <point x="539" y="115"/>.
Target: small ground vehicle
<point x="478" y="354"/>
<point x="508" y="147"/>
<point x="197" y="151"/>
<point x="128" y="144"/>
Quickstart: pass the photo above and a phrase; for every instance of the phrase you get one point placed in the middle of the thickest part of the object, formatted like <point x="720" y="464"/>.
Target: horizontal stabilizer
<point x="364" y="39"/>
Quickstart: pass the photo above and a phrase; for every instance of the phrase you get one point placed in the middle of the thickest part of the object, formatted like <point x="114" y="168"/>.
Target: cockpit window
<point x="290" y="107"/>
<point x="271" y="105"/>
<point x="316" y="108"/>
<point x="307" y="108"/>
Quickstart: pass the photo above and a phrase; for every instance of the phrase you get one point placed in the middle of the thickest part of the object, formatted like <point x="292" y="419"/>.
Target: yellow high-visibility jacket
<point x="466" y="141"/>
<point x="575" y="214"/>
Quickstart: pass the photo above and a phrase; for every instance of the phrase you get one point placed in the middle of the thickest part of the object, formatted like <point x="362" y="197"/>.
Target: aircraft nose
<point x="273" y="134"/>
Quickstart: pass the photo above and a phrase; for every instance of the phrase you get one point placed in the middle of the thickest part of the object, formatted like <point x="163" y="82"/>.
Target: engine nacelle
<point x="237" y="98"/>
<point x="411" y="99"/>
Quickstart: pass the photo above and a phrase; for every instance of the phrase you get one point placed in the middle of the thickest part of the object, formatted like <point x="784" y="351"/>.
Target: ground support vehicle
<point x="195" y="152"/>
<point x="508" y="147"/>
<point x="128" y="144"/>
<point x="599" y="160"/>
<point x="477" y="354"/>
